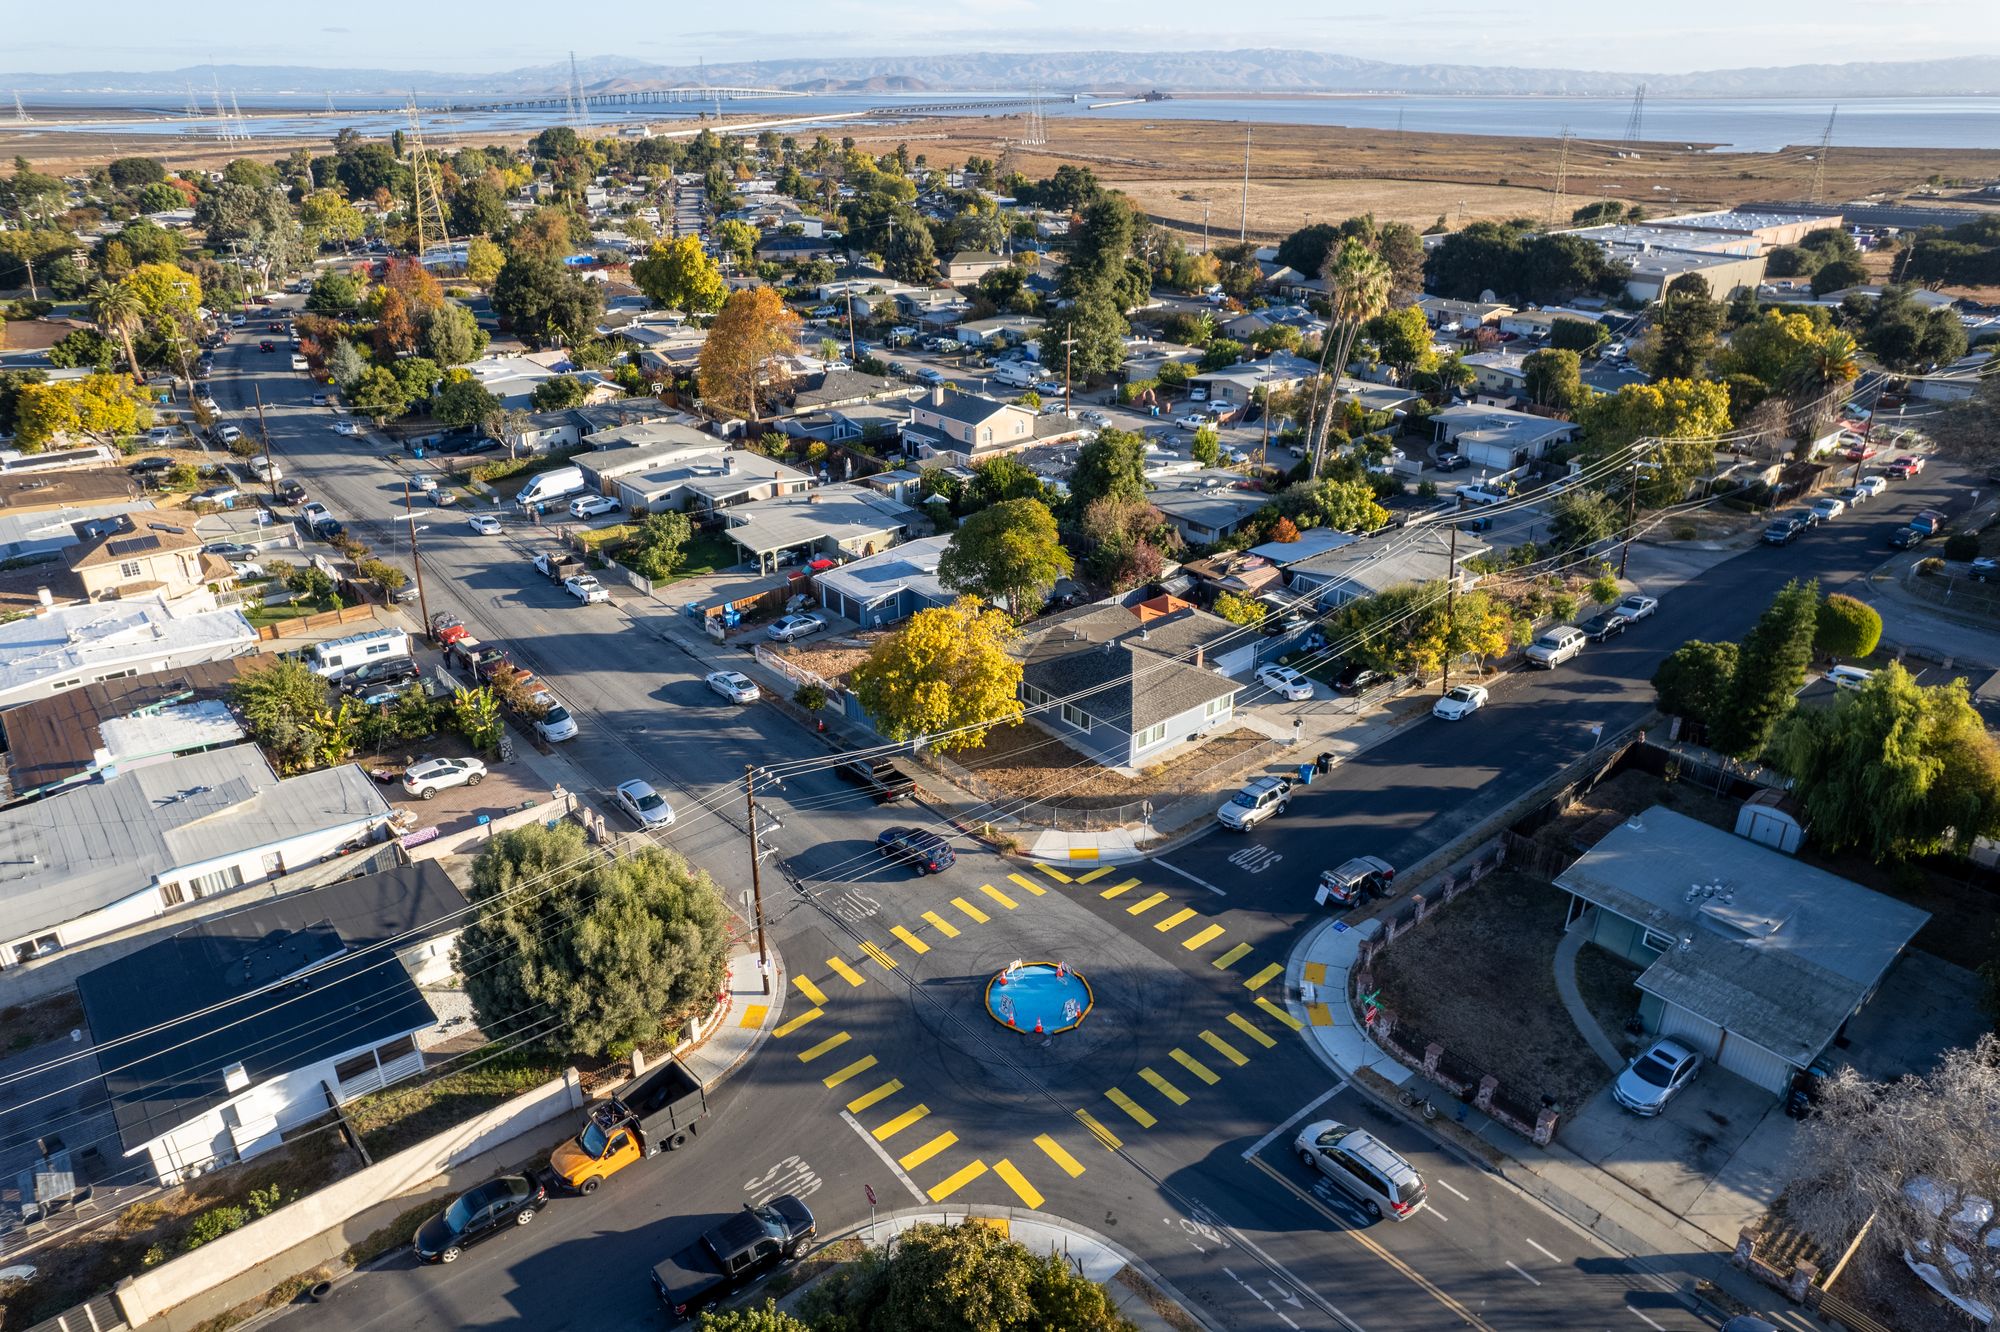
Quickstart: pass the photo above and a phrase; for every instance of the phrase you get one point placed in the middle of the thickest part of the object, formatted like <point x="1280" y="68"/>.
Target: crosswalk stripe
<point x="809" y="990"/>
<point x="1243" y="1024"/>
<point x="1054" y="1151"/>
<point x="941" y="925"/>
<point x="910" y="941"/>
<point x="1118" y="888"/>
<point x="839" y="1038"/>
<point x="787" y="1028"/>
<point x="853" y="1070"/>
<point x="1105" y="1137"/>
<point x="877" y="956"/>
<point x="1031" y="886"/>
<point x="1017" y="1182"/>
<point x="870" y="1098"/>
<point x="901" y="1122"/>
<point x="1263" y="978"/>
<point x="1130" y="1107"/>
<point x="1225" y="1049"/>
<point x="958" y="1181"/>
<point x="1097" y="873"/>
<point x="1163" y="1087"/>
<point x="1053" y="873"/>
<point x="998" y="896"/>
<point x="1200" y="937"/>
<point x="1279" y="1013"/>
<point x="1175" y="921"/>
<point x="1231" y="958"/>
<point x="927" y="1151"/>
<point x="978" y="917"/>
<point x="1193" y="1065"/>
<point x="1145" y="904"/>
<point x="845" y="972"/>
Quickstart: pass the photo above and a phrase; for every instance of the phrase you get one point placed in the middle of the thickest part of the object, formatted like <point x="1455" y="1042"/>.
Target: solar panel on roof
<point x="134" y="545"/>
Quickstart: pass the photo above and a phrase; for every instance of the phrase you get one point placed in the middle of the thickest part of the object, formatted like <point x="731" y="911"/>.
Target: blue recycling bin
<point x="1305" y="774"/>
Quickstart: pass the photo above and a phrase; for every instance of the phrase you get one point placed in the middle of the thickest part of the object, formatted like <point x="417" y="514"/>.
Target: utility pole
<point x="1243" y="218"/>
<point x="1450" y="602"/>
<point x="264" y="435"/>
<point x="416" y="560"/>
<point x="756" y="879"/>
<point x="1631" y="513"/>
<point x="1067" y="343"/>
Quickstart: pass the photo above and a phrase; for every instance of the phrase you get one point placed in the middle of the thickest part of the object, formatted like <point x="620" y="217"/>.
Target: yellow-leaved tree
<point x="946" y="676"/>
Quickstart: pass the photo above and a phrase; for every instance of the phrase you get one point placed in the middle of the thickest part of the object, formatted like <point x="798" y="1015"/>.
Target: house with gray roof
<point x="1206" y="505"/>
<point x="69" y="646"/>
<point x="842" y="519"/>
<point x="1499" y="437"/>
<point x="1130" y="685"/>
<point x="99" y="857"/>
<point x="1752" y="959"/>
<point x="889" y="586"/>
<point x="1393" y="557"/>
<point x="966" y="428"/>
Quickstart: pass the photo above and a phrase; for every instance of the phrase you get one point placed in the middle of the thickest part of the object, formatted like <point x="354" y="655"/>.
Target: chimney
<point x="937" y="395"/>
<point x="728" y="464"/>
<point x="1200" y="651"/>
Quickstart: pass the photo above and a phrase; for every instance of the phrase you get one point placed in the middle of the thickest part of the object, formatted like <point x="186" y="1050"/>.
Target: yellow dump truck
<point x="657" y="1111"/>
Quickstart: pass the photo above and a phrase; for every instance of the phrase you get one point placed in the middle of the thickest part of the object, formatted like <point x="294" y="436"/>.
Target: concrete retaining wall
<point x="468" y="841"/>
<point x="322" y="1226"/>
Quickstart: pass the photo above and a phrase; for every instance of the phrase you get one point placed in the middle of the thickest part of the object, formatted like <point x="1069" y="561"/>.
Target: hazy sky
<point x="500" y="34"/>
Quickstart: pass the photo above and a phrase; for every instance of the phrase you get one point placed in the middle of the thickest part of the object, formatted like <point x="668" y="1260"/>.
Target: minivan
<point x="1556" y="646"/>
<point x="1362" y="1166"/>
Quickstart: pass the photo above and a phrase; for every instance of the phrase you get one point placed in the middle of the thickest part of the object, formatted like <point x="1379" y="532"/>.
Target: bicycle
<point x="1416" y="1101"/>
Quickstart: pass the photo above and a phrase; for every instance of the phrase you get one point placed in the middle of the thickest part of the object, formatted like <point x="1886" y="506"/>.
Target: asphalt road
<point x="887" y="1071"/>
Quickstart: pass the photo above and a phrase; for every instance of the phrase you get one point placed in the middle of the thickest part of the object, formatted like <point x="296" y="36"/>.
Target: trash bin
<point x="1305" y="774"/>
<point x="1324" y="763"/>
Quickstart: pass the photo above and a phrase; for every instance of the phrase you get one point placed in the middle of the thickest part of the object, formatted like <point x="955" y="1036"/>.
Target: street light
<point x="416" y="559"/>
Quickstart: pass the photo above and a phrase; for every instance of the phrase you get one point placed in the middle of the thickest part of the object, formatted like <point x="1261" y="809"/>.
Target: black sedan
<point x="1903" y="538"/>
<point x="1607" y="623"/>
<point x="499" y="1204"/>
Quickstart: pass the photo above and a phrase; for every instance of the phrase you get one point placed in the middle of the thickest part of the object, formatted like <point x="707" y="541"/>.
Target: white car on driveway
<point x="1460" y="702"/>
<point x="585" y="588"/>
<point x="734" y="686"/>
<point x="426" y="779"/>
<point x="1636" y="607"/>
<point x="647" y="806"/>
<point x="1285" y="682"/>
<point x="484" y="523"/>
<point x="590" y="506"/>
<point x="796" y="626"/>
<point x="1653" y="1079"/>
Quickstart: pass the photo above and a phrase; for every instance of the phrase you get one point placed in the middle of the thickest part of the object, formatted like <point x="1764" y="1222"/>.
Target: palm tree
<point x="1815" y="373"/>
<point x="1357" y="288"/>
<point x="116" y="309"/>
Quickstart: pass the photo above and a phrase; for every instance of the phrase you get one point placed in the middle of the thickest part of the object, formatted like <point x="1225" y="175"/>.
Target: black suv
<point x="1784" y="530"/>
<point x="393" y="671"/>
<point x="884" y="780"/>
<point x="1354" y="678"/>
<point x="930" y="853"/>
<point x="499" y="1204"/>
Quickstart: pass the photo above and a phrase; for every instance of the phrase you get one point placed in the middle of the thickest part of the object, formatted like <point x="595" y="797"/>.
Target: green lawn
<point x="259" y="616"/>
<point x="705" y="553"/>
<point x="399" y="1117"/>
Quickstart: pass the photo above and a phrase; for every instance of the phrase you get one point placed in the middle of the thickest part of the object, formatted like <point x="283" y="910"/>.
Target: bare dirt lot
<point x="1277" y="207"/>
<point x="1028" y="762"/>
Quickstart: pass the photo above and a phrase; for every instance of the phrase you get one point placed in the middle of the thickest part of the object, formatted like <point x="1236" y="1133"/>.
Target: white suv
<point x="1556" y="646"/>
<point x="426" y="779"/>
<point x="1256" y="802"/>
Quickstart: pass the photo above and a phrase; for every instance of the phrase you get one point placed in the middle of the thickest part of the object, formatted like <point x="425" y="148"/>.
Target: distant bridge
<point x="643" y="97"/>
<point x="979" y="104"/>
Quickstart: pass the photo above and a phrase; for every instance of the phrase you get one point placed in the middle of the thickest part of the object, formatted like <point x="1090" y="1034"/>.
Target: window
<point x="1076" y="716"/>
<point x="172" y="894"/>
<point x="1035" y="697"/>
<point x="1658" y="942"/>
<point x="1217" y="708"/>
<point x="216" y="881"/>
<point x="127" y="673"/>
<point x="400" y="1048"/>
<point x="130" y="569"/>
<point x="360" y="1066"/>
<point x="29" y="949"/>
<point x="1152" y="735"/>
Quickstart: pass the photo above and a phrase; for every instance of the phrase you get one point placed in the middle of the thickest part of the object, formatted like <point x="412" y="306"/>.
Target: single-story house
<point x="971" y="265"/>
<point x="1497" y="437"/>
<point x="68" y="646"/>
<point x="514" y="379"/>
<point x="1236" y="572"/>
<point x="574" y="425"/>
<point x="844" y="518"/>
<point x="966" y="427"/>
<point x="1128" y="685"/>
<point x="1239" y="383"/>
<point x="1539" y="323"/>
<point x="778" y="248"/>
<point x="881" y="421"/>
<point x="1500" y="373"/>
<point x="704" y="482"/>
<point x="1373" y="565"/>
<point x="1207" y="505"/>
<point x="889" y="586"/>
<point x="1753" y="959"/>
<point x="246" y="1025"/>
<point x="1453" y="316"/>
<point x="828" y="389"/>
<point x="1312" y="541"/>
<point x="34" y="532"/>
<point x="900" y="485"/>
<point x="98" y="857"/>
<point x="1145" y="356"/>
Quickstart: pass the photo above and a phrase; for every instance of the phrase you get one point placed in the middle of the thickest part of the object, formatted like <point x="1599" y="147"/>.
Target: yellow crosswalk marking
<point x="1200" y="937"/>
<point x="1054" y="873"/>
<point x="1130" y="1107"/>
<point x="941" y="925"/>
<point x="1263" y="978"/>
<point x="1316" y="972"/>
<point x="978" y="917"/>
<point x="753" y="1015"/>
<point x="1242" y="1024"/>
<point x="1110" y="1141"/>
<point x="1145" y="904"/>
<point x="927" y="1151"/>
<point x="1034" y="889"/>
<point x="958" y="1181"/>
<point x="1225" y="1049"/>
<point x="839" y="1038"/>
<point x="853" y="1070"/>
<point x="901" y="1122"/>
<point x="877" y="956"/>
<point x="1175" y="921"/>
<point x="1097" y="873"/>
<point x="1118" y="888"/>
<point x="1231" y="958"/>
<point x="1279" y="1013"/>
<point x="1193" y="1065"/>
<point x="787" y="1028"/>
<point x="910" y="941"/>
<point x="1163" y="1087"/>
<point x="845" y="972"/>
<point x="1054" y="1151"/>
<point x="809" y="990"/>
<point x="870" y="1098"/>
<point x="998" y="896"/>
<point x="1017" y="1182"/>
<point x="1321" y="1015"/>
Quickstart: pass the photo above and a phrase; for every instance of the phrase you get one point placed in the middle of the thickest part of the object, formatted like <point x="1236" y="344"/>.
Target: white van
<point x="551" y="486"/>
<point x="337" y="656"/>
<point x="1014" y="373"/>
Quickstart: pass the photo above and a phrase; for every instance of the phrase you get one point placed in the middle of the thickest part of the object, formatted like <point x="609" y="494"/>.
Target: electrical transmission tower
<point x="1635" y="124"/>
<point x="1038" y="130"/>
<point x="1562" y="179"/>
<point x="426" y="190"/>
<point x="20" y="112"/>
<point x="1819" y="158"/>
<point x="1243" y="216"/>
<point x="573" y="101"/>
<point x="224" y="129"/>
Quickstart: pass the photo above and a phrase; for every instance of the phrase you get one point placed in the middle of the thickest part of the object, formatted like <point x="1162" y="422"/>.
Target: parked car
<point x="1356" y="678"/>
<point x="1355" y="881"/>
<point x="385" y="670"/>
<point x="1784" y="529"/>
<point x="1285" y="682"/>
<point x="647" y="806"/>
<point x="229" y="550"/>
<point x="245" y="569"/>
<point x="1930" y="520"/>
<point x="1637" y="607"/>
<point x="1478" y="494"/>
<point x="1906" y="537"/>
<point x="426" y="779"/>
<point x="930" y="853"/>
<point x="796" y="626"/>
<point x="1193" y="421"/>
<point x="1460" y="702"/>
<point x="1362" y="1166"/>
<point x="1555" y="646"/>
<point x="346" y="427"/>
<point x="291" y="492"/>
<point x="1854" y="496"/>
<point x="590" y="506"/>
<point x="1452" y="462"/>
<point x="1985" y="568"/>
<point x="734" y="686"/>
<point x="732" y="1255"/>
<point x="1606" y="624"/>
<point x="1827" y="508"/>
<point x="1872" y="484"/>
<point x="1849" y="677"/>
<point x="884" y="778"/>
<point x="506" y="1203"/>
<point x="555" y="724"/>
<point x="484" y="523"/>
<point x="1653" y="1079"/>
<point x="1264" y="798"/>
<point x="586" y="589"/>
<point x="151" y="466"/>
<point x="228" y="434"/>
<point x="265" y="470"/>
<point x="1906" y="466"/>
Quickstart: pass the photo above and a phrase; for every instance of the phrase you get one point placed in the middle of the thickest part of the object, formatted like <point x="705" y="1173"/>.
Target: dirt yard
<point x="1278" y="207"/>
<point x="1479" y="979"/>
<point x="1028" y="762"/>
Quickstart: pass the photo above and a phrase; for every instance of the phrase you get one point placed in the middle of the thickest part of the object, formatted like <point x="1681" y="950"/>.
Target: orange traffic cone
<point x="1038" y="1026"/>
